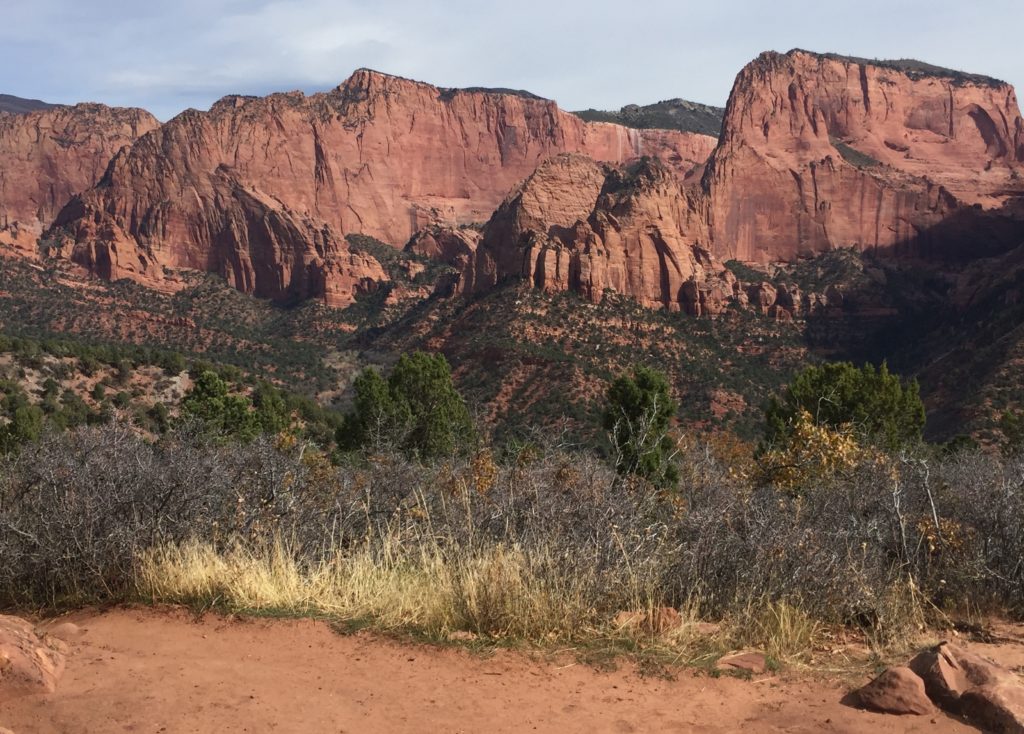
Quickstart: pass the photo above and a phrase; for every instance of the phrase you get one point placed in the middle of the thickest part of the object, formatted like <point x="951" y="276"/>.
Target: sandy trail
<point x="160" y="671"/>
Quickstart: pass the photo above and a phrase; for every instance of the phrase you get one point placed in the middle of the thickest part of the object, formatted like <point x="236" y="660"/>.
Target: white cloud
<point x="167" y="55"/>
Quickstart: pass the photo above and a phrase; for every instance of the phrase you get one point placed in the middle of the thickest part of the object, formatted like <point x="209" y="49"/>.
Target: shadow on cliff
<point x="948" y="308"/>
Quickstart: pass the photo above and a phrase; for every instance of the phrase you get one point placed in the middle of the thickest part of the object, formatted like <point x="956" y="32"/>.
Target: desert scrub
<point x="538" y="543"/>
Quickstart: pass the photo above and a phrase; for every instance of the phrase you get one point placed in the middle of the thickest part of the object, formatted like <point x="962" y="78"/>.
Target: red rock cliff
<point x="575" y="225"/>
<point x="379" y="155"/>
<point x="50" y="155"/>
<point x="819" y="152"/>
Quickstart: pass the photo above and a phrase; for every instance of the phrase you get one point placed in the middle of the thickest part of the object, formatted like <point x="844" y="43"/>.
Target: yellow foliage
<point x="484" y="471"/>
<point x="735" y="453"/>
<point x="949" y="533"/>
<point x="813" y="453"/>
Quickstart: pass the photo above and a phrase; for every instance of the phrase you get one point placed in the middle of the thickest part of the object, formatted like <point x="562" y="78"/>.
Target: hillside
<point x="19" y="105"/>
<point x="669" y="114"/>
<point x="875" y="215"/>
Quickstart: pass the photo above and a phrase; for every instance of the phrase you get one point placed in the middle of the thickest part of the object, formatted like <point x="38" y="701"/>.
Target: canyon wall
<point x="820" y="152"/>
<point x="379" y="155"/>
<point x="48" y="156"/>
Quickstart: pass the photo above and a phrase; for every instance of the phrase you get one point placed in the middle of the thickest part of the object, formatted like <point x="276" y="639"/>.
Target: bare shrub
<point x="549" y="543"/>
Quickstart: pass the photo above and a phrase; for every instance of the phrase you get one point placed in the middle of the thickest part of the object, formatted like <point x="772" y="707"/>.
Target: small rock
<point x="898" y="690"/>
<point x="753" y="662"/>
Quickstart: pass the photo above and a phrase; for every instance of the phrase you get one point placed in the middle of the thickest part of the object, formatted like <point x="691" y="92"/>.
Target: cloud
<point x="166" y="56"/>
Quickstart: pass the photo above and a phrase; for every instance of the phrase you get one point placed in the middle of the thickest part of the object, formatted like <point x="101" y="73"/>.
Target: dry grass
<point x="499" y="592"/>
<point x="502" y="594"/>
<point x="786" y="633"/>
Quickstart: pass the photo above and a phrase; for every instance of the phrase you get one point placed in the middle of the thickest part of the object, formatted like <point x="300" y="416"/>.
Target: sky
<point x="167" y="56"/>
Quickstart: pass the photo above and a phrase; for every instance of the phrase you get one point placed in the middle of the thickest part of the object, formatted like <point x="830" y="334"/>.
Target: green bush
<point x="417" y="408"/>
<point x="637" y="417"/>
<point x="876" y="403"/>
<point x="223" y="413"/>
<point x="26" y="425"/>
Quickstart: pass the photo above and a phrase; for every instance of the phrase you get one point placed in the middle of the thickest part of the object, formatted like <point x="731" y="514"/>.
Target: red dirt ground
<point x="161" y="671"/>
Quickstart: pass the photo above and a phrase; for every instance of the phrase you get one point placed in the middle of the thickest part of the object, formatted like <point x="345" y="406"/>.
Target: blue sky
<point x="167" y="56"/>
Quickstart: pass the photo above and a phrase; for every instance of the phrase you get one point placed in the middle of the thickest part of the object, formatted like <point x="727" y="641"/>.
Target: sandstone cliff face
<point x="822" y="152"/>
<point x="817" y="153"/>
<point x="379" y="155"/>
<point x="576" y="225"/>
<point x="455" y="246"/>
<point x="256" y="243"/>
<point x="49" y="155"/>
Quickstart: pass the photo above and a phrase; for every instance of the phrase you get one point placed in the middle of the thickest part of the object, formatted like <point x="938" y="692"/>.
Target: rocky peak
<point x="576" y="225"/>
<point x="19" y="105"/>
<point x="46" y="156"/>
<point x="820" y="152"/>
<point x="380" y="155"/>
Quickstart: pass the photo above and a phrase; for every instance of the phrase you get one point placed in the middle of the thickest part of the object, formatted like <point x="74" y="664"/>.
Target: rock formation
<point x="379" y="155"/>
<point x="817" y="153"/>
<point x="30" y="663"/>
<point x="455" y="246"/>
<point x="47" y="156"/>
<point x="955" y="680"/>
<point x="576" y="225"/>
<point x="255" y="242"/>
<point x="820" y="152"/>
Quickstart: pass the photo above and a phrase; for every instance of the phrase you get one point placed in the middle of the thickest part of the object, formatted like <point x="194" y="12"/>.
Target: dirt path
<point x="163" y="672"/>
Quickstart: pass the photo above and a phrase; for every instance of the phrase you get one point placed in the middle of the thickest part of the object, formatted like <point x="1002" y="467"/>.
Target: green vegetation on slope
<point x="671" y="114"/>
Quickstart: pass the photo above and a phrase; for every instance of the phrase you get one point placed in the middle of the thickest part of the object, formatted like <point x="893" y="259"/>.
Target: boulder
<point x="898" y="690"/>
<point x="949" y="671"/>
<point x="28" y="663"/>
<point x="997" y="707"/>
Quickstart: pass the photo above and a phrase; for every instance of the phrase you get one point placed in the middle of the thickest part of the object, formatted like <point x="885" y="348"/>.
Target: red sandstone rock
<point x="574" y="225"/>
<point x="751" y="662"/>
<point x="261" y="190"/>
<point x="779" y="185"/>
<point x="27" y="663"/>
<point x="949" y="671"/>
<point x="897" y="691"/>
<point x="256" y="242"/>
<point x="454" y="246"/>
<point x="379" y="155"/>
<point x="48" y="156"/>
<point x="998" y="707"/>
<point x="960" y="682"/>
